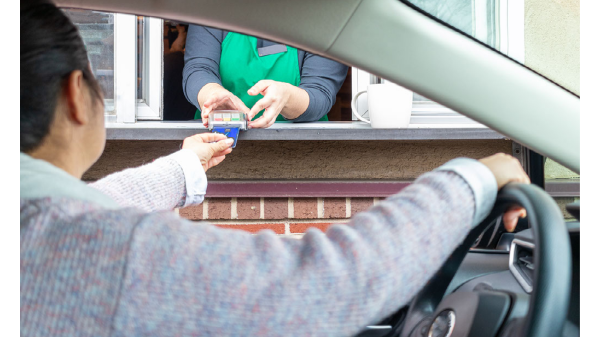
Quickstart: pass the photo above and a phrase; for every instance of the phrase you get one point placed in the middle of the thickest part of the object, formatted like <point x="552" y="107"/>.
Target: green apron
<point x="241" y="68"/>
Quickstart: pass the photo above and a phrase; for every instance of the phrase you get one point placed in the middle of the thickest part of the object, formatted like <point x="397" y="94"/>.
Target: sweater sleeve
<point x="196" y="279"/>
<point x="177" y="180"/>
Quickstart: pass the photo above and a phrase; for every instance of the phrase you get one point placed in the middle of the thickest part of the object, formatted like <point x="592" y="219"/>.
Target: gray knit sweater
<point x="111" y="268"/>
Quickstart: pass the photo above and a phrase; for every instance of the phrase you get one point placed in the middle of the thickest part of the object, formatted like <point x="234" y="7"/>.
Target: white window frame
<point x="512" y="25"/>
<point x="125" y="74"/>
<point x="150" y="107"/>
<point x="511" y="30"/>
<point x="129" y="109"/>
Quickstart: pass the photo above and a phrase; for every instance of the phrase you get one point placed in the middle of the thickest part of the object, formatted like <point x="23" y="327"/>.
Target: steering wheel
<point x="490" y="312"/>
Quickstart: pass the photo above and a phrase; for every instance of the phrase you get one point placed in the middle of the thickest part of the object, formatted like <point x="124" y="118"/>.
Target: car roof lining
<point x="429" y="57"/>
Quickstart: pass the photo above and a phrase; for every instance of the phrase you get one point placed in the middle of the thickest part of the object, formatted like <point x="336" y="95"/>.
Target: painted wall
<point x="552" y="40"/>
<point x="552" y="49"/>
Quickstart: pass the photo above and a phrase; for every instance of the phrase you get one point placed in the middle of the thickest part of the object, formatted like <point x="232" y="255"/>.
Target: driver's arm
<point x="177" y="180"/>
<point x="173" y="181"/>
<point x="186" y="278"/>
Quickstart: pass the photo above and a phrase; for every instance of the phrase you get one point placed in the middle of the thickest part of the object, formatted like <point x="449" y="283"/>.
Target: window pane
<point x="97" y="30"/>
<point x="555" y="173"/>
<point x="141" y="33"/>
<point x="477" y="18"/>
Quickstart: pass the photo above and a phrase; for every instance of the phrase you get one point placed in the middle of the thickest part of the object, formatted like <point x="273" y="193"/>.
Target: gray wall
<point x="399" y="160"/>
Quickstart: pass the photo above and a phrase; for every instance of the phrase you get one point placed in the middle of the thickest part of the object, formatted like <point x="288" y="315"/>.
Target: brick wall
<point x="282" y="215"/>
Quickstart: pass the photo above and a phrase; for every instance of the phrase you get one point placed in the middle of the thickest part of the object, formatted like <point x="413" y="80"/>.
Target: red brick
<point x="276" y="208"/>
<point x="191" y="212"/>
<point x="219" y="208"/>
<point x="302" y="227"/>
<point x="360" y="204"/>
<point x="305" y="208"/>
<point x="253" y="228"/>
<point x="248" y="208"/>
<point x="335" y="208"/>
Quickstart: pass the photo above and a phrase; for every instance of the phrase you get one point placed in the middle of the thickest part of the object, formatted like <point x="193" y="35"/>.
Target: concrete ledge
<point x="304" y="131"/>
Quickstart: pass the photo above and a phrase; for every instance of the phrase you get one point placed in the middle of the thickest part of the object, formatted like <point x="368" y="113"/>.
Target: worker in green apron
<point x="268" y="81"/>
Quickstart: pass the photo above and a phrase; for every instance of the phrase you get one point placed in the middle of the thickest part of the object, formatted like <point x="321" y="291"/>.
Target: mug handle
<point x="354" y="110"/>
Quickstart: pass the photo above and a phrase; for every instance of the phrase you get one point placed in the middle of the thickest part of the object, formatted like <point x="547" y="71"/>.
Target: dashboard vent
<point x="521" y="263"/>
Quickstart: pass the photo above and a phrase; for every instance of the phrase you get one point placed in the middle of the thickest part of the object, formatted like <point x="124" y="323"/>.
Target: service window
<point x="139" y="63"/>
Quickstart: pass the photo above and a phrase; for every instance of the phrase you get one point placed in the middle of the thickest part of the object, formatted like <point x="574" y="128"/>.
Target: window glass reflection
<point x="97" y="30"/>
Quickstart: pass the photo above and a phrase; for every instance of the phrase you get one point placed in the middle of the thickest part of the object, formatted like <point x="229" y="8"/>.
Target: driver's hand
<point x="511" y="217"/>
<point x="507" y="169"/>
<point x="211" y="148"/>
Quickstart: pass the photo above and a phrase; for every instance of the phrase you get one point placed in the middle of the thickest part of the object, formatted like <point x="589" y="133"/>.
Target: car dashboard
<point x="510" y="268"/>
<point x="513" y="271"/>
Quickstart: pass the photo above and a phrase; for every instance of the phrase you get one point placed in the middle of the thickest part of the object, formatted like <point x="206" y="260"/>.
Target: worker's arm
<point x="202" y="58"/>
<point x="321" y="78"/>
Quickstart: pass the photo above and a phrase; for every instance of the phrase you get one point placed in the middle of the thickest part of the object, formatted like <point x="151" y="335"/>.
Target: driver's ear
<point x="76" y="98"/>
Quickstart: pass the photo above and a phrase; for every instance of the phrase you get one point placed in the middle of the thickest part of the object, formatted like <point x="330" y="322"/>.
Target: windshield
<point x="542" y="35"/>
<point x="478" y="19"/>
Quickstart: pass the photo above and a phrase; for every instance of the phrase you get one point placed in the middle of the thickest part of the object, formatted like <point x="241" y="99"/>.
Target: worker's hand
<point x="211" y="148"/>
<point x="276" y="95"/>
<point x="507" y="169"/>
<point x="221" y="99"/>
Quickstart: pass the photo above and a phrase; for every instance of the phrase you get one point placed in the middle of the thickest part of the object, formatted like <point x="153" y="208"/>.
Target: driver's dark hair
<point x="51" y="49"/>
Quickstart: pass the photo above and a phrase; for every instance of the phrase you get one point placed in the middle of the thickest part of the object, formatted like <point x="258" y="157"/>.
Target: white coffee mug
<point x="389" y="105"/>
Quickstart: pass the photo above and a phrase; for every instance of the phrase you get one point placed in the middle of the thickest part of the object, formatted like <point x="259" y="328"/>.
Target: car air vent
<point x="521" y="263"/>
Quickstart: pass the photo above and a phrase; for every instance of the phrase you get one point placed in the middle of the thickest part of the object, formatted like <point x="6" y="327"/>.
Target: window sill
<point x="305" y="131"/>
<point x="560" y="188"/>
<point x="340" y="188"/>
